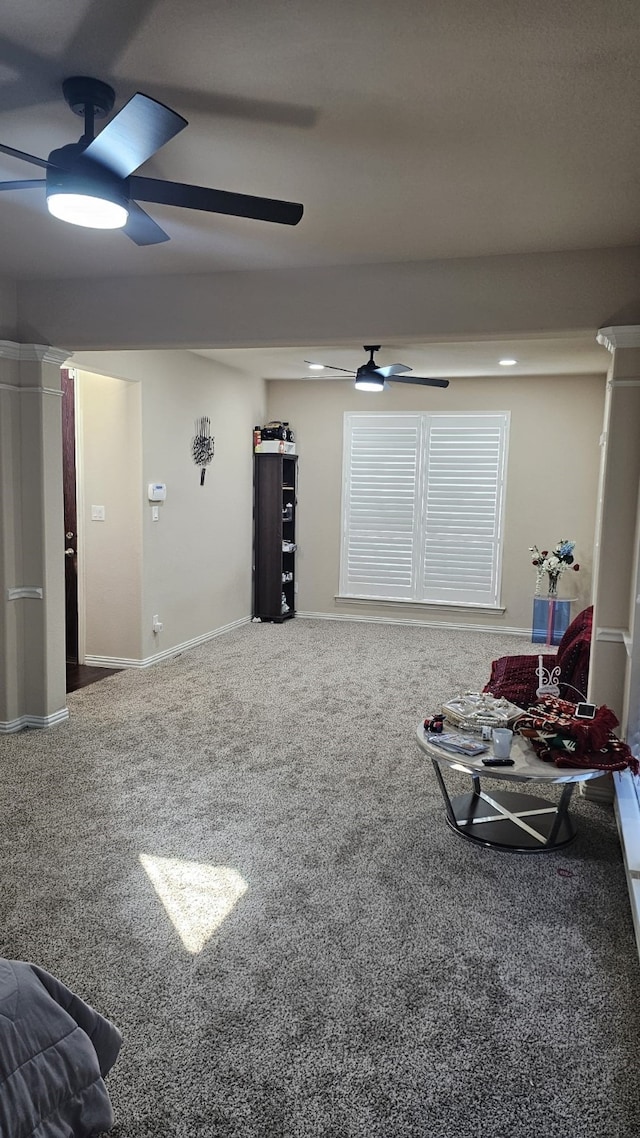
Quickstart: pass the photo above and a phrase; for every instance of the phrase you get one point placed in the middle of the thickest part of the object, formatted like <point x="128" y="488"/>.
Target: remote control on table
<point x="498" y="762"/>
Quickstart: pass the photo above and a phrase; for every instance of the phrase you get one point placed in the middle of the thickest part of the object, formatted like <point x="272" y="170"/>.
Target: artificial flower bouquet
<point x="553" y="563"/>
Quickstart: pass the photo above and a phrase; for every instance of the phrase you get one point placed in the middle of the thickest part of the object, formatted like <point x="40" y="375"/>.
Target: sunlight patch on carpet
<point x="196" y="897"/>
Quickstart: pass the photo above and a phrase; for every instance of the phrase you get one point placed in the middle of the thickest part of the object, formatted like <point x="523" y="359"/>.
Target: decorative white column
<point x="32" y="598"/>
<point x="615" y="653"/>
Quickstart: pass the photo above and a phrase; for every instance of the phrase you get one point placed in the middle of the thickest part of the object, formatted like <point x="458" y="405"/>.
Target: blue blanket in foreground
<point x="54" y="1052"/>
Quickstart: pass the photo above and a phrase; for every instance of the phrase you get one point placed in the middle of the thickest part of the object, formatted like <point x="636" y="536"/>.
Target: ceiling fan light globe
<point x="369" y="383"/>
<point x="86" y="210"/>
<point x="85" y="193"/>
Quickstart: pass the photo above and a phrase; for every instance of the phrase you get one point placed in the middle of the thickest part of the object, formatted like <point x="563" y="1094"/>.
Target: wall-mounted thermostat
<point x="157" y="491"/>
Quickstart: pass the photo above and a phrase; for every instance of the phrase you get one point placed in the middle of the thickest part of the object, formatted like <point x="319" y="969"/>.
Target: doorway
<point x="78" y="674"/>
<point x="70" y="515"/>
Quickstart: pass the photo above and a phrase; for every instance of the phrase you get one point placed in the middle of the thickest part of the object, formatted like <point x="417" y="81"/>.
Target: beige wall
<point x="109" y="425"/>
<point x="552" y="481"/>
<point x="196" y="560"/>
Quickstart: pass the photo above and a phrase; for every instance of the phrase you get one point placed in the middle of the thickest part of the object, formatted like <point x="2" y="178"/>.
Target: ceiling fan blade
<point x="142" y="229"/>
<point x="331" y="366"/>
<point x="25" y="157"/>
<point x="24" y="184"/>
<point x="392" y="369"/>
<point x="214" y="201"/>
<point x="423" y="382"/>
<point x="137" y="131"/>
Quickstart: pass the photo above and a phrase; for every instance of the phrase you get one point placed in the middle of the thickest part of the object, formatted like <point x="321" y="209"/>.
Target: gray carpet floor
<point x="370" y="974"/>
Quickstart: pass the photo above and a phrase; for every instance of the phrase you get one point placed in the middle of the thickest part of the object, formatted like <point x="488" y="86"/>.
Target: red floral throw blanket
<point x="558" y="737"/>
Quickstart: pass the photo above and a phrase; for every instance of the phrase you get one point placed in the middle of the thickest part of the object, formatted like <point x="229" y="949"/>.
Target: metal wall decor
<point x="202" y="446"/>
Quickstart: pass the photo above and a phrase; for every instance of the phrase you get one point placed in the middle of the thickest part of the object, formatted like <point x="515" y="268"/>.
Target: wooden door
<point x="70" y="515"/>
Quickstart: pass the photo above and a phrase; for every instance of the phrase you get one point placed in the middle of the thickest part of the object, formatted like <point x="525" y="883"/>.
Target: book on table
<point x="456" y="744"/>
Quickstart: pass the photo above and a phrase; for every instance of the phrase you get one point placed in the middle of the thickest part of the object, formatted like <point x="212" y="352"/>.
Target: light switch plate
<point x="97" y="513"/>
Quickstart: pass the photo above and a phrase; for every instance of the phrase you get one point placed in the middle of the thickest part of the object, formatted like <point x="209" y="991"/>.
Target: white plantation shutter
<point x="464" y="479"/>
<point x="423" y="507"/>
<point x="381" y="470"/>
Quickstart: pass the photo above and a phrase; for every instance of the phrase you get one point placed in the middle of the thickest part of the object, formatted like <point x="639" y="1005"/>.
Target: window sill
<point x="421" y="606"/>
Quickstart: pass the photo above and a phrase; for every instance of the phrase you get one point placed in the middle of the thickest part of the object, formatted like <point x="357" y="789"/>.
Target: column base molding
<point x="598" y="789"/>
<point x="10" y="726"/>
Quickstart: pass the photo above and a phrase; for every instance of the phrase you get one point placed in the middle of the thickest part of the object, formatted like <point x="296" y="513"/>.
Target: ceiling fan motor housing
<point x="70" y="173"/>
<point x="371" y="367"/>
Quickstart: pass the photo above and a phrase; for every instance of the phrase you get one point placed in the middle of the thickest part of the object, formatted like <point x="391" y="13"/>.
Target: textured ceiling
<point x="409" y="130"/>
<point x="577" y="355"/>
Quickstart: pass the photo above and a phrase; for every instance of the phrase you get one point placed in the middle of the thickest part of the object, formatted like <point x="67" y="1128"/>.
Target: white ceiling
<point x="577" y="355"/>
<point x="409" y="130"/>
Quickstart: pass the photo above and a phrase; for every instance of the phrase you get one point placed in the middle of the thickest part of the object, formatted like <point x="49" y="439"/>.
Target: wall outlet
<point x="157" y="624"/>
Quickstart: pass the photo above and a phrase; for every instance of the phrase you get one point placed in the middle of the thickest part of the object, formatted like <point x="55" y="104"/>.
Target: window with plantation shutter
<point x="423" y="499"/>
<point x="381" y="480"/>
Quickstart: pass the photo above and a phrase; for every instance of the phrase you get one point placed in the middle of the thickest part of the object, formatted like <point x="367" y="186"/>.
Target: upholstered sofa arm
<point x="516" y="677"/>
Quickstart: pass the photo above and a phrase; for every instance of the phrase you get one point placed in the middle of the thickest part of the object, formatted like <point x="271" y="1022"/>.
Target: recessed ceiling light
<point x="316" y="367"/>
<point x="507" y="363"/>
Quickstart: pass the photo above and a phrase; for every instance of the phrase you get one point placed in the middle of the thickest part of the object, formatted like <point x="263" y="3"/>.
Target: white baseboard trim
<point x="627" y="811"/>
<point x="167" y="653"/>
<point x="9" y="726"/>
<point x="453" y="626"/>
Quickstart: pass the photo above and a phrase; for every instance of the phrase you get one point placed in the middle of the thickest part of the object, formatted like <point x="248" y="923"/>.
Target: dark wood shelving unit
<point x="274" y="526"/>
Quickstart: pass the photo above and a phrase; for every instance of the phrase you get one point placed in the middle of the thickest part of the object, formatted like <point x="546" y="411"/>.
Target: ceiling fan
<point x="92" y="183"/>
<point x="370" y="377"/>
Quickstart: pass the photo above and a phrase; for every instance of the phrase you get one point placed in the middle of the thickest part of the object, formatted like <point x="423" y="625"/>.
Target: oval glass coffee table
<point x="507" y="819"/>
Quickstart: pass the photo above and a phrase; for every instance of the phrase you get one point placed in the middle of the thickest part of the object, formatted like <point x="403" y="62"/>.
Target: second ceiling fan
<point x="370" y="377"/>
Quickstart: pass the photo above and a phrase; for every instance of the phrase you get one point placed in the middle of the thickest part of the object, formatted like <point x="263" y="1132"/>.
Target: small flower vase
<point x="553" y="584"/>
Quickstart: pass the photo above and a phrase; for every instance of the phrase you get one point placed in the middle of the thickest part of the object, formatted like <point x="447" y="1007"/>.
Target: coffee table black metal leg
<point x="561" y="812"/>
<point x="445" y="794"/>
<point x="467" y="819"/>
